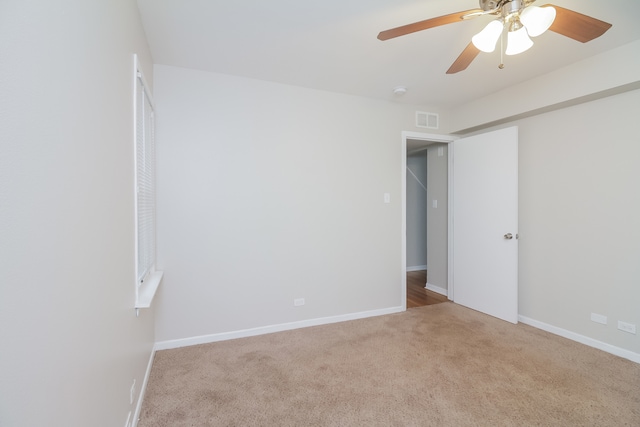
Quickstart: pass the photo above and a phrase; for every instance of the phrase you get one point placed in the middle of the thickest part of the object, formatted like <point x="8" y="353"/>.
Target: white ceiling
<point x="332" y="45"/>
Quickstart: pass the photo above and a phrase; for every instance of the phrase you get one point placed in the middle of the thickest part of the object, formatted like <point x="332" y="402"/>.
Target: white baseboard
<point x="205" y="339"/>
<point x="437" y="289"/>
<point x="621" y="352"/>
<point x="143" y="389"/>
<point x="417" y="268"/>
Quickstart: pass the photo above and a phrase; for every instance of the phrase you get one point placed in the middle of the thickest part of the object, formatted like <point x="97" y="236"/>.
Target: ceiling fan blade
<point x="464" y="60"/>
<point x="577" y="26"/>
<point x="424" y="25"/>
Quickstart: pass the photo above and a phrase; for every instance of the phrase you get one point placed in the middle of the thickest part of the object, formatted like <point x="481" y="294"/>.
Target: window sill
<point x="148" y="289"/>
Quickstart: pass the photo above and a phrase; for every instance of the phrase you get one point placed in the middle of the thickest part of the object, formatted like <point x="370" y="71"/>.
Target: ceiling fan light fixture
<point x="518" y="40"/>
<point x="537" y="20"/>
<point x="486" y="39"/>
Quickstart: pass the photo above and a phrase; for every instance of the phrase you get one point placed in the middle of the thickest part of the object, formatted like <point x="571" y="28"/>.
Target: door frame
<point x="430" y="138"/>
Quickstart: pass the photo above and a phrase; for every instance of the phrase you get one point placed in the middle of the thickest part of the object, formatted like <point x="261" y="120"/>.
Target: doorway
<point x="486" y="190"/>
<point x="425" y="230"/>
<point x="426" y="220"/>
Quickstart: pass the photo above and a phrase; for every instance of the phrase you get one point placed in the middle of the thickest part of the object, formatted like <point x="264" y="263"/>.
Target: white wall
<point x="610" y="72"/>
<point x="579" y="204"/>
<point x="417" y="210"/>
<point x="579" y="218"/>
<point x="268" y="193"/>
<point x="71" y="344"/>
<point x="437" y="218"/>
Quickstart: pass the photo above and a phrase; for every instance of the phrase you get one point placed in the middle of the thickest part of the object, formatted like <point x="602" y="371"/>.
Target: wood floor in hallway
<point x="417" y="295"/>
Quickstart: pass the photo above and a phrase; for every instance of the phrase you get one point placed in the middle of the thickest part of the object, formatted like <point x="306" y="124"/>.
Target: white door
<point x="485" y="223"/>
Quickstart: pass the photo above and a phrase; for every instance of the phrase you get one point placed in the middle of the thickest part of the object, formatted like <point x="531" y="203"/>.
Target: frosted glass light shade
<point x="518" y="41"/>
<point x="537" y="19"/>
<point x="486" y="39"/>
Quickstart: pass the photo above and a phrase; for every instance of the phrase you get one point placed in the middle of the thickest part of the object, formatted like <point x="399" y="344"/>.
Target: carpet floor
<point x="439" y="365"/>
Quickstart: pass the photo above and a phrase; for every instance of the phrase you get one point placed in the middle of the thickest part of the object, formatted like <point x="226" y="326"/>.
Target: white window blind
<point x="147" y="278"/>
<point x="145" y="170"/>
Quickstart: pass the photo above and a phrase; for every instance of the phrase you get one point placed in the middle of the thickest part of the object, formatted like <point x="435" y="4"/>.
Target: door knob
<point x="508" y="236"/>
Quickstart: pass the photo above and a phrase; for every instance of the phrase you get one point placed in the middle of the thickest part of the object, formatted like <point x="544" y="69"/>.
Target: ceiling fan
<point x="519" y="18"/>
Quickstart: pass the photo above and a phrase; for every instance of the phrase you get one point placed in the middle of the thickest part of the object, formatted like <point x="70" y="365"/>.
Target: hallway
<point x="417" y="295"/>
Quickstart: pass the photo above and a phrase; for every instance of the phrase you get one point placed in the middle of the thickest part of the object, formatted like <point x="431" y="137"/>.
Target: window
<point x="147" y="277"/>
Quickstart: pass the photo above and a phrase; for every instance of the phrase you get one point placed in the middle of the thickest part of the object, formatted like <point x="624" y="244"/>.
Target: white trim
<point x="224" y="336"/>
<point x="437" y="289"/>
<point x="416" y="268"/>
<point x="432" y="137"/>
<point x="403" y="221"/>
<point x="143" y="389"/>
<point x="147" y="290"/>
<point x="450" y="225"/>
<point x="446" y="139"/>
<point x="139" y="74"/>
<point x="135" y="172"/>
<point x="621" y="352"/>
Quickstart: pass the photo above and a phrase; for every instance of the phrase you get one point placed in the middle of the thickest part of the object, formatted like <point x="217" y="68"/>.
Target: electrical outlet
<point x="298" y="302"/>
<point x="599" y="318"/>
<point x="132" y="392"/>
<point x="627" y="327"/>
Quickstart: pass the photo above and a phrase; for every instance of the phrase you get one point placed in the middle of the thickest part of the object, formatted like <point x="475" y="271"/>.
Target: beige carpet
<point x="440" y="365"/>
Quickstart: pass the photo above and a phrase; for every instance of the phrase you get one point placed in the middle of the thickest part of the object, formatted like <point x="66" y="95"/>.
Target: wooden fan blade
<point x="464" y="60"/>
<point x="577" y="26"/>
<point x="424" y="25"/>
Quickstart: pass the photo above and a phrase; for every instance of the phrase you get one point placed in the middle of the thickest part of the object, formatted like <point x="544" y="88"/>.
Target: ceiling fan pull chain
<point x="501" y="66"/>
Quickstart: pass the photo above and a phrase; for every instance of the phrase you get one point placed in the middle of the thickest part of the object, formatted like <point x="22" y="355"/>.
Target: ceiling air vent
<point x="426" y="120"/>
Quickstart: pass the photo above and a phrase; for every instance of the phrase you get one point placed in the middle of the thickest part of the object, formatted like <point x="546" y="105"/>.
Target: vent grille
<point x="427" y="120"/>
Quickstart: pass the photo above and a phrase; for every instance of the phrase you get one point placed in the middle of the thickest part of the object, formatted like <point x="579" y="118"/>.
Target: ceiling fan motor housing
<point x="507" y="6"/>
<point x="512" y="7"/>
<point x="489" y="4"/>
